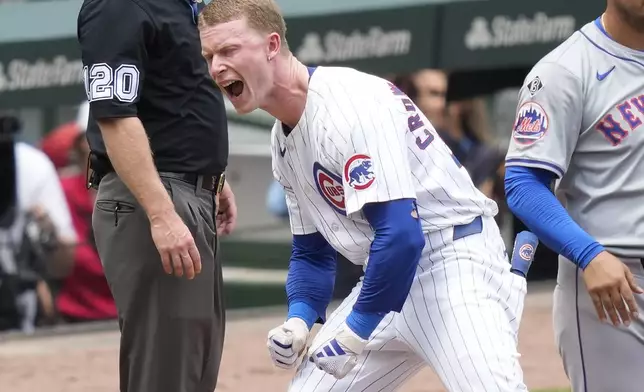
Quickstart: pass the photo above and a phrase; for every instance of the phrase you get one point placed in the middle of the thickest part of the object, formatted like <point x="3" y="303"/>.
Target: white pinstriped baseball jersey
<point x="360" y="140"/>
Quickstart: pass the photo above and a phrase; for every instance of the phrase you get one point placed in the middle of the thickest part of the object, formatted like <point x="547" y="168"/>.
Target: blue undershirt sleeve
<point x="529" y="197"/>
<point x="311" y="277"/>
<point x="393" y="258"/>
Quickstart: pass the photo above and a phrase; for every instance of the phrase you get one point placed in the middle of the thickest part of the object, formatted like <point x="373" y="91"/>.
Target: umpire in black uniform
<point x="158" y="135"/>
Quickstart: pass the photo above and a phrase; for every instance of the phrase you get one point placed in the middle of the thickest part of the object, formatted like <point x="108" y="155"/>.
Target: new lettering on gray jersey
<point x="580" y="116"/>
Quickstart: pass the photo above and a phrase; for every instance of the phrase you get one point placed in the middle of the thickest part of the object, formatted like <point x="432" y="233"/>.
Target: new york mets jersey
<point x="580" y="116"/>
<point x="361" y="140"/>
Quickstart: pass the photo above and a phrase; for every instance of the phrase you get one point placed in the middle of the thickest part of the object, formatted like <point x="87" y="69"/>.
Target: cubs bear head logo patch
<point x="358" y="172"/>
<point x="531" y="123"/>
<point x="330" y="187"/>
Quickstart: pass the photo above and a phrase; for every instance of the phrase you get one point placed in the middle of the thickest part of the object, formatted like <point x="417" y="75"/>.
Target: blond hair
<point x="261" y="15"/>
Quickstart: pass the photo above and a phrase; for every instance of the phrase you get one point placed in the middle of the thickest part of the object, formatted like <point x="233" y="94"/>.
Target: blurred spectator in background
<point x="84" y="294"/>
<point x="448" y="120"/>
<point x="37" y="238"/>
<point x="468" y="122"/>
<point x="431" y="86"/>
<point x="58" y="145"/>
<point x="486" y="167"/>
<point x="431" y="92"/>
<point x="406" y="84"/>
<point x="276" y="200"/>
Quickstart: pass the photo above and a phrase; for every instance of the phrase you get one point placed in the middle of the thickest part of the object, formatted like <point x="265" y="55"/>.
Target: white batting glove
<point x="338" y="354"/>
<point x="286" y="343"/>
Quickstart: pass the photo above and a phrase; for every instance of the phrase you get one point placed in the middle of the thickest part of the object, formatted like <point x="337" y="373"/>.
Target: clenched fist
<point x="286" y="343"/>
<point x="338" y="355"/>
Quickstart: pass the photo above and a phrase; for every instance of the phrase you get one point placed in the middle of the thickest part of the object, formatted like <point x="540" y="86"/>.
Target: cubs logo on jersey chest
<point x="330" y="187"/>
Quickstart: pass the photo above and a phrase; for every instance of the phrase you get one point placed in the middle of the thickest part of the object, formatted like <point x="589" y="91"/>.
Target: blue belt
<point x="474" y="227"/>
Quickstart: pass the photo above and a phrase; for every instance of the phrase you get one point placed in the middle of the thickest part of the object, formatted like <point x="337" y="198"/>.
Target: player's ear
<point x="274" y="46"/>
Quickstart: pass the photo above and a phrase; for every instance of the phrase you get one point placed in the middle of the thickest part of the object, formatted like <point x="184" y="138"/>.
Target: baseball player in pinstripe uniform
<point x="366" y="175"/>
<point x="579" y="123"/>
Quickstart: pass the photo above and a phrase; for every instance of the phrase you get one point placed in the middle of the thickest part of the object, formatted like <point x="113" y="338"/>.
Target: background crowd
<point x="59" y="274"/>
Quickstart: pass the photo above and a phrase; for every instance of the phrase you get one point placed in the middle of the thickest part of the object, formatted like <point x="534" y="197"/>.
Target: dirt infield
<point x="88" y="362"/>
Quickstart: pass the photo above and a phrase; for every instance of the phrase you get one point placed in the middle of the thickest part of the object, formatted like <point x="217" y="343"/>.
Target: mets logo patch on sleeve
<point x="330" y="187"/>
<point x="531" y="123"/>
<point x="358" y="172"/>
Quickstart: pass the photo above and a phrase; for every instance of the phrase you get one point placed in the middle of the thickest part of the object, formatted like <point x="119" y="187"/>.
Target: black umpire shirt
<point x="143" y="58"/>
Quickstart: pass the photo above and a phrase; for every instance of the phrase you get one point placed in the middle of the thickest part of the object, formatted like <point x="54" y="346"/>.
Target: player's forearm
<point x="129" y="152"/>
<point x="530" y="199"/>
<point x="393" y="259"/>
<point x="311" y="276"/>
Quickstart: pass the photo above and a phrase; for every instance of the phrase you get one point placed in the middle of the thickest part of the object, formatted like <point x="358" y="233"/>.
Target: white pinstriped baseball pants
<point x="461" y="318"/>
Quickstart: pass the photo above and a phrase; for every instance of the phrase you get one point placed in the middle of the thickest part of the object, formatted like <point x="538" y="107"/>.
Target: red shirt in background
<point x="85" y="294"/>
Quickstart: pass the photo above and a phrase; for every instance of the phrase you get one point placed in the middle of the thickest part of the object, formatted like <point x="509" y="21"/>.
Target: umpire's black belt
<point x="209" y="182"/>
<point x="474" y="227"/>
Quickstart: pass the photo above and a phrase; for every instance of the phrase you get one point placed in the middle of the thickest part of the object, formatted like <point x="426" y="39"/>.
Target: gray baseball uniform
<point x="580" y="116"/>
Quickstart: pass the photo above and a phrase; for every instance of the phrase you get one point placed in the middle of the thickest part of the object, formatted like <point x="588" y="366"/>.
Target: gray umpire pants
<point x="172" y="329"/>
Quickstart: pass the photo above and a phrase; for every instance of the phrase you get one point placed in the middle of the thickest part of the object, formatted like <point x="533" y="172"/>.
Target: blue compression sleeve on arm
<point x="311" y="276"/>
<point x="529" y="197"/>
<point x="393" y="259"/>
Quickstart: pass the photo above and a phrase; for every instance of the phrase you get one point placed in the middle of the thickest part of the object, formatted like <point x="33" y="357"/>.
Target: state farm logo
<point x="21" y="74"/>
<point x="504" y="31"/>
<point x="338" y="46"/>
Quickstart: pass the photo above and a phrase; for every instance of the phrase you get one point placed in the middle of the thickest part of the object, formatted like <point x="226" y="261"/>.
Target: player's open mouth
<point x="234" y="88"/>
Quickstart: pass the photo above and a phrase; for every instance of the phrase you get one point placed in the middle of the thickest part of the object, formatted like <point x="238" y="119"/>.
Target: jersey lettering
<point x="625" y="110"/>
<point x="103" y="83"/>
<point x="99" y="82"/>
<point x="638" y="102"/>
<point x="612" y="131"/>
<point x="126" y="83"/>
<point x="414" y="121"/>
<point x="630" y="111"/>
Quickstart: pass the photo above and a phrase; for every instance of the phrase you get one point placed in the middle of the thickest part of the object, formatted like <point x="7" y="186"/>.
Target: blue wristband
<point x="363" y="324"/>
<point x="303" y="311"/>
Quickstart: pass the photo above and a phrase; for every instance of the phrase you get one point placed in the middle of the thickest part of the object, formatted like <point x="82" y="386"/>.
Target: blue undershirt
<point x="393" y="258"/>
<point x="529" y="197"/>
